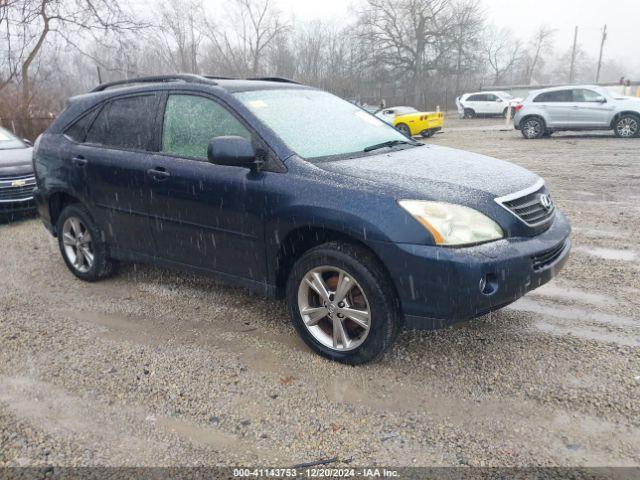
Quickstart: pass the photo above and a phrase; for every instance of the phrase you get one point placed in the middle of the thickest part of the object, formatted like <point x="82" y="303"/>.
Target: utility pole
<point x="572" y="69"/>
<point x="604" y="37"/>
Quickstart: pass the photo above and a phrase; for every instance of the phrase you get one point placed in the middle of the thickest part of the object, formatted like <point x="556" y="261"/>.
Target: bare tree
<point x="181" y="34"/>
<point x="541" y="45"/>
<point x="254" y="27"/>
<point x="402" y="34"/>
<point x="502" y="52"/>
<point x="31" y="23"/>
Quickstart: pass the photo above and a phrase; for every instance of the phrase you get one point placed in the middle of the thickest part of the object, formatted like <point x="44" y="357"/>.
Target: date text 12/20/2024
<point x="315" y="473"/>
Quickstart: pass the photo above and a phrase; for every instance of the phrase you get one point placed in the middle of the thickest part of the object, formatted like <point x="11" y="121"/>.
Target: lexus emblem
<point x="545" y="201"/>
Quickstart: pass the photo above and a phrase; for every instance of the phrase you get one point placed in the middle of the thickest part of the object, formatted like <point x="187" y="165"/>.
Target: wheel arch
<point x="623" y="112"/>
<point x="56" y="202"/>
<point x="300" y="240"/>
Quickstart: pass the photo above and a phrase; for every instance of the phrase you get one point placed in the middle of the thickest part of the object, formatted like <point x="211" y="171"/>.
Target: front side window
<point x="584" y="95"/>
<point x="491" y="98"/>
<point x="318" y="124"/>
<point x="9" y="141"/>
<point x="191" y="121"/>
<point x="125" y="123"/>
<point x="476" y="98"/>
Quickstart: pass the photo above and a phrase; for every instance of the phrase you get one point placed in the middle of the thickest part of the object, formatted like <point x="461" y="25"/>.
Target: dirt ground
<point x="154" y="367"/>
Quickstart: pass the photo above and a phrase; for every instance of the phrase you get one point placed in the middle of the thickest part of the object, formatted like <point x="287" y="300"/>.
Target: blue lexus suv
<point x="294" y="193"/>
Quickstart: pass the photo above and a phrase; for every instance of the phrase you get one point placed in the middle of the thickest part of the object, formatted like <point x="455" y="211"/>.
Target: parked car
<point x="470" y="105"/>
<point x="577" y="108"/>
<point x="411" y="122"/>
<point x="17" y="180"/>
<point x="360" y="228"/>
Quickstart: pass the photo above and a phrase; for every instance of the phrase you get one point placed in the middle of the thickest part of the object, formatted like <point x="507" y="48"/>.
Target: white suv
<point x="471" y="105"/>
<point x="577" y="108"/>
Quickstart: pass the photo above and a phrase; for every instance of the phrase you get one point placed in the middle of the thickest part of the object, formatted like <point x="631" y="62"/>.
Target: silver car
<point x="577" y="108"/>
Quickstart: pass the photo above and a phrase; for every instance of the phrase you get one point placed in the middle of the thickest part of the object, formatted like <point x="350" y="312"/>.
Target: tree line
<point x="418" y="52"/>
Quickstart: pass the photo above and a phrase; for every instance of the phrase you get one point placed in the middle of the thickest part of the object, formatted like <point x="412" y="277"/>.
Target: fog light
<point x="488" y="284"/>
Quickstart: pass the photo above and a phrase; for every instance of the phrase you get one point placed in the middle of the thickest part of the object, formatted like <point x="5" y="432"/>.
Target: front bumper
<point x="439" y="286"/>
<point x="11" y="208"/>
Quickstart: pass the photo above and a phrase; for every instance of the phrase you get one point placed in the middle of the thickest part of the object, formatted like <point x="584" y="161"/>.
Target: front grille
<point x="546" y="258"/>
<point x="16" y="189"/>
<point x="534" y="209"/>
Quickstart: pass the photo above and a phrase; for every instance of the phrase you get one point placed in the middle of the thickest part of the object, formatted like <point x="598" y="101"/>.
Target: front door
<point x="591" y="109"/>
<point x="204" y="215"/>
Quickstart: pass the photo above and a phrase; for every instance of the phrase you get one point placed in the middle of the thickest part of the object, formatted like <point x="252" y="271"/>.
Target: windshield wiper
<point x="390" y="143"/>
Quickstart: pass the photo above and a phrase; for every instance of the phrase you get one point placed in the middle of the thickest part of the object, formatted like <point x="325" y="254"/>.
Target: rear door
<point x="204" y="215"/>
<point x="591" y="109"/>
<point x="115" y="155"/>
<point x="558" y="107"/>
<point x="477" y="102"/>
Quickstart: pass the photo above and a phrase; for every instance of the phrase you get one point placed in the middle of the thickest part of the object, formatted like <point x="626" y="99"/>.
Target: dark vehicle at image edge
<point x="16" y="176"/>
<point x="362" y="229"/>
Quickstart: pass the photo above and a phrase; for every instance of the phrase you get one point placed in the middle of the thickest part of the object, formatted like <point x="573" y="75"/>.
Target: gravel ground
<point x="154" y="367"/>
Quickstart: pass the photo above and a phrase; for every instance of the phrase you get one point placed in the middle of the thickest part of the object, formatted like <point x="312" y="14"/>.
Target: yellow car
<point x="411" y="122"/>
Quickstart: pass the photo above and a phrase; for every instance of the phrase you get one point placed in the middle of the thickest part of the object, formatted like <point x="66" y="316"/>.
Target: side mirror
<point x="499" y="100"/>
<point x="231" y="150"/>
<point x="27" y="142"/>
<point x="601" y="100"/>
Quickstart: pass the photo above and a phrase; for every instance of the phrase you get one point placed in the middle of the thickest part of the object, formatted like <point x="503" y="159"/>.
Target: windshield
<point x="317" y="124"/>
<point x="404" y="110"/>
<point x="506" y="96"/>
<point x="8" y="141"/>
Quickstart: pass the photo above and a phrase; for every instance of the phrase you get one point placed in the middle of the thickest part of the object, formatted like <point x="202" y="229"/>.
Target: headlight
<point x="451" y="224"/>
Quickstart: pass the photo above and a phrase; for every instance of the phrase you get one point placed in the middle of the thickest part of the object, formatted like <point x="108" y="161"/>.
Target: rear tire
<point x="404" y="129"/>
<point x="532" y="128"/>
<point x="469" y="113"/>
<point x="81" y="244"/>
<point x="328" y="327"/>
<point x="627" y="126"/>
<point x="425" y="133"/>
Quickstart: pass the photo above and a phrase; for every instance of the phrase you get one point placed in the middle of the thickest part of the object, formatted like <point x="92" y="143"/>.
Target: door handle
<point x="158" y="173"/>
<point x="79" y="161"/>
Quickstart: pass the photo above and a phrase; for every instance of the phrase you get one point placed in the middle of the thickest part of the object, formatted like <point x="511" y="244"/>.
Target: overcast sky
<point x="621" y="16"/>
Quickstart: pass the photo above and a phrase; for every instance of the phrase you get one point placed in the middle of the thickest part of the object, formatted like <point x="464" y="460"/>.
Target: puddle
<point x="600" y="233"/>
<point x="210" y="438"/>
<point x="552" y="290"/>
<point x="610" y="254"/>
<point x="253" y="346"/>
<point x="570" y="313"/>
<point x="586" y="333"/>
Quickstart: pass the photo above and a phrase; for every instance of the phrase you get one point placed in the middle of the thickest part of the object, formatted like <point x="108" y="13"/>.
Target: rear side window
<point x="555" y="96"/>
<point x="190" y="121"/>
<point x="125" y="123"/>
<point x="476" y="98"/>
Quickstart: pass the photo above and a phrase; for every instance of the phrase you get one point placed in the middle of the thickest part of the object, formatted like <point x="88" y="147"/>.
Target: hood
<point x="438" y="173"/>
<point x="16" y="161"/>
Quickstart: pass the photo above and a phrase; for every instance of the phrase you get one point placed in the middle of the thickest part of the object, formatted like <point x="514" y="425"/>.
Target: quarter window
<point x="191" y="121"/>
<point x="78" y="130"/>
<point x="125" y="123"/>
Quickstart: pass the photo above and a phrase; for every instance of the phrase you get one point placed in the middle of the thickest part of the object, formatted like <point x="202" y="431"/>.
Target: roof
<point x="229" y="84"/>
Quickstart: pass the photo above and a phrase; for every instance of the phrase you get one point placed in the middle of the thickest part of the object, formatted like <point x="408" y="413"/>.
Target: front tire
<point x="627" y="126"/>
<point x="342" y="303"/>
<point x="532" y="128"/>
<point x="81" y="244"/>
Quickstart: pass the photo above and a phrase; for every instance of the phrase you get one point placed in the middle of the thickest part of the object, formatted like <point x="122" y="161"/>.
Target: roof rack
<point x="274" y="79"/>
<point x="185" y="77"/>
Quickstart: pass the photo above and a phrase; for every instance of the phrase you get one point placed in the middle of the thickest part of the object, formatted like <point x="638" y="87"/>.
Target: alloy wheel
<point x="627" y="127"/>
<point x="334" y="308"/>
<point x="532" y="128"/>
<point x="78" y="246"/>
